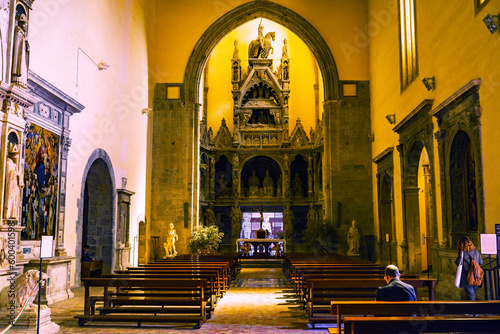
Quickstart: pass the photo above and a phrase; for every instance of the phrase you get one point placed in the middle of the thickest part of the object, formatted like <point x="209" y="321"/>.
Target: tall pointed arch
<point x="247" y="12"/>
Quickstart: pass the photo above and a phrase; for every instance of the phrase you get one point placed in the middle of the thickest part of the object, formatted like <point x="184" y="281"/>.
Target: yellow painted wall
<point x="302" y="78"/>
<point x="455" y="47"/>
<point x="180" y="24"/>
<point x="112" y="31"/>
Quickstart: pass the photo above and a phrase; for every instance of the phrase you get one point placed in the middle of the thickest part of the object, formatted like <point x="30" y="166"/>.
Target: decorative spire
<point x="236" y="54"/>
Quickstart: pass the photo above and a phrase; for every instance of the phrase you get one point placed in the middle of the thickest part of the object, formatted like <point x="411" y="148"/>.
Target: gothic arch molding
<point x="247" y="12"/>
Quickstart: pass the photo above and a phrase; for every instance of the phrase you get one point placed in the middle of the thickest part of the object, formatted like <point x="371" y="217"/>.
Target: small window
<point x="408" y="42"/>
<point x="478" y="5"/>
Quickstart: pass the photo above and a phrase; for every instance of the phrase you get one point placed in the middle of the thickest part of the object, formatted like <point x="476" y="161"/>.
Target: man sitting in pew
<point x="395" y="290"/>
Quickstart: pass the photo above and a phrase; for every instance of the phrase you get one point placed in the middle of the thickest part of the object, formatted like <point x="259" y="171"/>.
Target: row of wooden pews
<point x="185" y="289"/>
<point x="318" y="282"/>
<point x="416" y="317"/>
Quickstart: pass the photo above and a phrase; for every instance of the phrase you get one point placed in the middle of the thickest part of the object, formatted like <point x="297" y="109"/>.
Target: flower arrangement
<point x="205" y="239"/>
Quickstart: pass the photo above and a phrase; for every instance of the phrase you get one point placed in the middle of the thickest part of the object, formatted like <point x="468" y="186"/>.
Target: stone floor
<point x="259" y="301"/>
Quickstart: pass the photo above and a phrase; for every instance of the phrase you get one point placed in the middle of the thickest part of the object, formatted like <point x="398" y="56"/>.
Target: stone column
<point x="123" y="229"/>
<point x="173" y="169"/>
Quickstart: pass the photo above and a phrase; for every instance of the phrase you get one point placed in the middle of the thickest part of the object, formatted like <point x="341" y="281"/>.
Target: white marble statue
<point x="13" y="184"/>
<point x="20" y="52"/>
<point x="353" y="239"/>
<point x="171" y="239"/>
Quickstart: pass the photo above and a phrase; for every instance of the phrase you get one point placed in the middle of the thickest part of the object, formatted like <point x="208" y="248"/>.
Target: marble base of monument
<point x="27" y="322"/>
<point x="59" y="270"/>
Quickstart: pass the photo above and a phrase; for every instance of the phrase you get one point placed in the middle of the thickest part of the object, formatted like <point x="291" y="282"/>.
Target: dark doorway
<point x="98" y="208"/>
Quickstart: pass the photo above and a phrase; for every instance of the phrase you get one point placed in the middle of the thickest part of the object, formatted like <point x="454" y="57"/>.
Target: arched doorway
<point x="412" y="208"/>
<point x="97" y="227"/>
<point x="386" y="220"/>
<point x="463" y="188"/>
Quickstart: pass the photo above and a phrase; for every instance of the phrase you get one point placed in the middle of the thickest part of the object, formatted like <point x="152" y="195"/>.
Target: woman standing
<point x="470" y="252"/>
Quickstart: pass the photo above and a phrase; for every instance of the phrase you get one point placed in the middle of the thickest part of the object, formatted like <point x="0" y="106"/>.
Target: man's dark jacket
<point x="396" y="291"/>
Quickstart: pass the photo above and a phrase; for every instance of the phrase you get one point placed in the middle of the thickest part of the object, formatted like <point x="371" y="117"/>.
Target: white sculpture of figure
<point x="171" y="239"/>
<point x="266" y="225"/>
<point x="247" y="228"/>
<point x="13" y="184"/>
<point x="20" y="52"/>
<point x="353" y="239"/>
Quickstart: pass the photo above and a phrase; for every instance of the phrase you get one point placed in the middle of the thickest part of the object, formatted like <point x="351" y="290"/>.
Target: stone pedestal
<point x="27" y="322"/>
<point x="58" y="269"/>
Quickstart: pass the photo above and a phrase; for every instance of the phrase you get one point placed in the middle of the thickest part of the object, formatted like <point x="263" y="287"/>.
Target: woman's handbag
<point x="459" y="270"/>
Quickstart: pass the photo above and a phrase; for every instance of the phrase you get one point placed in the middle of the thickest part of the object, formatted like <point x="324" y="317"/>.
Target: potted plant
<point x="205" y="239"/>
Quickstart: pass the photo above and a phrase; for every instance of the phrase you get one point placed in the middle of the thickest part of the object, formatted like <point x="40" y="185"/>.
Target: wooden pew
<point x="341" y="309"/>
<point x="210" y="291"/>
<point x="91" y="269"/>
<point x="177" y="300"/>
<point x="223" y="273"/>
<point x="321" y="292"/>
<point x="429" y="324"/>
<point x="301" y="284"/>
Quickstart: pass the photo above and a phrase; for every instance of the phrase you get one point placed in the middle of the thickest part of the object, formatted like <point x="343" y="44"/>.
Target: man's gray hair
<point x="391" y="271"/>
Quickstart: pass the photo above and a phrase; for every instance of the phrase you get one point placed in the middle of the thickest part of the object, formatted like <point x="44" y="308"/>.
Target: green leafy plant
<point x="205" y="238"/>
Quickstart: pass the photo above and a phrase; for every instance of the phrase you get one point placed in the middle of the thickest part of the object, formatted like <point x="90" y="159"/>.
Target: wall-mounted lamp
<point x="428" y="83"/>
<point x="103" y="66"/>
<point x="491" y="22"/>
<point x="146" y="111"/>
<point x="391" y="118"/>
<point x="371" y="136"/>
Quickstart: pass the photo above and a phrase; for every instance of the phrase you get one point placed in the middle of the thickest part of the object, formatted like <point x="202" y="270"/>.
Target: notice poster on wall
<point x="488" y="244"/>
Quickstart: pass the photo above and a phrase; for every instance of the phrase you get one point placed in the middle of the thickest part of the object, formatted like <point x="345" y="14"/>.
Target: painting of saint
<point x="40" y="193"/>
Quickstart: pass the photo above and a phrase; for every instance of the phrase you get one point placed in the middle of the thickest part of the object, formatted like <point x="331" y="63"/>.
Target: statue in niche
<point x="13" y="183"/>
<point x="236" y="221"/>
<point x="210" y="215"/>
<point x="171" y="239"/>
<point x="284" y="52"/>
<point x="223" y="189"/>
<point x="312" y="216"/>
<point x="288" y="219"/>
<point x="268" y="185"/>
<point x="297" y="186"/>
<point x="20" y="52"/>
<point x="247" y="229"/>
<point x="253" y="184"/>
<point x="261" y="47"/>
<point x="279" y="187"/>
<point x="353" y="239"/>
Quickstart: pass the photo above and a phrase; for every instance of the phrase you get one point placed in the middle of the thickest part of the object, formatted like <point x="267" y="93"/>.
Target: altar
<point x="261" y="247"/>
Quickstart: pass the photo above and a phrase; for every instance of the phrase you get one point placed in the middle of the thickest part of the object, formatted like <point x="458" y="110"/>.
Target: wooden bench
<point x="177" y="300"/>
<point x="321" y="292"/>
<point x="341" y="309"/>
<point x="301" y="283"/>
<point x="427" y="324"/>
<point x="91" y="269"/>
<point x="223" y="279"/>
<point x="211" y="292"/>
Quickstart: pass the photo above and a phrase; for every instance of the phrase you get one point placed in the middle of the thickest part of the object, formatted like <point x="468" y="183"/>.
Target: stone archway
<point x="96" y="223"/>
<point x="247" y="12"/>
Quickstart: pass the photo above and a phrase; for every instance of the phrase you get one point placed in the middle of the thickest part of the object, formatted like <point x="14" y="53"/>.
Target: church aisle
<point x="259" y="301"/>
